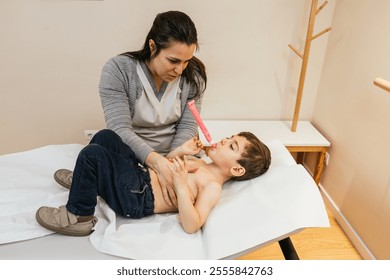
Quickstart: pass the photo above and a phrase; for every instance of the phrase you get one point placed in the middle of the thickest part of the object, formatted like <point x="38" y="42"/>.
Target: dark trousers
<point x="108" y="168"/>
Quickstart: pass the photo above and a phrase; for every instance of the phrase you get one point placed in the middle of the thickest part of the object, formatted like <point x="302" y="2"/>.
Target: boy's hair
<point x="256" y="158"/>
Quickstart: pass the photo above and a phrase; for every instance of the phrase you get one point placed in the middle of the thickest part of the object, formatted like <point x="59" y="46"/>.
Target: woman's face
<point x="171" y="61"/>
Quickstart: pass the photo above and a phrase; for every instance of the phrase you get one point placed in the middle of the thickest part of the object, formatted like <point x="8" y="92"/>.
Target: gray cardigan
<point x="120" y="89"/>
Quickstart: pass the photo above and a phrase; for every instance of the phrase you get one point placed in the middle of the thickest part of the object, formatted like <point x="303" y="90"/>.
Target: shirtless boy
<point x="110" y="170"/>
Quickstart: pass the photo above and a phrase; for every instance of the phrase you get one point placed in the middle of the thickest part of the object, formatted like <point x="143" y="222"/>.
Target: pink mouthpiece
<point x="200" y="122"/>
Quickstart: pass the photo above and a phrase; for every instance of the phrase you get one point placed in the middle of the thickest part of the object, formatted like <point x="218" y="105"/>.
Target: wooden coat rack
<point x="305" y="56"/>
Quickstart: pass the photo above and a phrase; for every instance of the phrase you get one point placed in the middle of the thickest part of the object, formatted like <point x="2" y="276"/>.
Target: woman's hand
<point x="162" y="166"/>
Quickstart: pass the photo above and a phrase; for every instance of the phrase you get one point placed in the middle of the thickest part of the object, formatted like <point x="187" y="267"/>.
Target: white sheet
<point x="26" y="183"/>
<point x="250" y="213"/>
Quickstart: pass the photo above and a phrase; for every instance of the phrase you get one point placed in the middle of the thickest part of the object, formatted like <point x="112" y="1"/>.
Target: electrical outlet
<point x="327" y="158"/>
<point x="88" y="134"/>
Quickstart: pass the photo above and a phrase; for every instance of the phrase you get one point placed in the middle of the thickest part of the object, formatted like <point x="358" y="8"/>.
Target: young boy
<point x="108" y="168"/>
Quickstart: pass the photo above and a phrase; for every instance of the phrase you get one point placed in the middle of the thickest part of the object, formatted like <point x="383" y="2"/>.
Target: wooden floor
<point x="313" y="244"/>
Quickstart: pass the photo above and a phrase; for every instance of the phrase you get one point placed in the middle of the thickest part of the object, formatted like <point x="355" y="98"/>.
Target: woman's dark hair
<point x="174" y="26"/>
<point x="256" y="158"/>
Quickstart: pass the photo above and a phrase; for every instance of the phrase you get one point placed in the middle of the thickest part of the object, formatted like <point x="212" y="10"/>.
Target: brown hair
<point x="256" y="158"/>
<point x="175" y="26"/>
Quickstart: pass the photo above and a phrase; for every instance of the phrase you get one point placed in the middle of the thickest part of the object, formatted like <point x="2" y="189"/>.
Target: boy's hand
<point x="191" y="147"/>
<point x="179" y="172"/>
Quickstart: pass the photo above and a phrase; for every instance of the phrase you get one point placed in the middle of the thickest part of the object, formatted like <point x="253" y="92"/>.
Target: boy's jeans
<point x="108" y="167"/>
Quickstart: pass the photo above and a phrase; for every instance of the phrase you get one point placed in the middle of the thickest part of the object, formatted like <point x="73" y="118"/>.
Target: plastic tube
<point x="194" y="111"/>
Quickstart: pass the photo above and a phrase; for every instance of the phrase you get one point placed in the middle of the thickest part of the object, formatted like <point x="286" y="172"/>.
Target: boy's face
<point x="229" y="150"/>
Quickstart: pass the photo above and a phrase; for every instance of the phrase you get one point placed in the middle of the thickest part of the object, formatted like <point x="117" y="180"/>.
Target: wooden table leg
<point x="319" y="166"/>
<point x="300" y="157"/>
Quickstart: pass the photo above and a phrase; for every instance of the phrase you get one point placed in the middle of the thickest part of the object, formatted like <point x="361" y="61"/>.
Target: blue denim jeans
<point x="108" y="168"/>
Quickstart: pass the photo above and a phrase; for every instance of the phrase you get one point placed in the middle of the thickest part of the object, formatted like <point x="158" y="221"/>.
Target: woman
<point x="144" y="94"/>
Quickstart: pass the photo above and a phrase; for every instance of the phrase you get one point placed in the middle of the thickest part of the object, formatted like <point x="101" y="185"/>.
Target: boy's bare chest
<point x="196" y="182"/>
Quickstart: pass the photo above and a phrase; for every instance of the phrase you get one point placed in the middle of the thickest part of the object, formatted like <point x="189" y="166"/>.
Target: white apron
<point x="154" y="120"/>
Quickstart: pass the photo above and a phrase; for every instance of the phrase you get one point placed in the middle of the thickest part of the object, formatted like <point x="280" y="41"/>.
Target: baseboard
<point x="346" y="226"/>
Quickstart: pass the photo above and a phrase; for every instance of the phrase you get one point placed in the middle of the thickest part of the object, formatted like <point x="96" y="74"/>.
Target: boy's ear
<point x="237" y="171"/>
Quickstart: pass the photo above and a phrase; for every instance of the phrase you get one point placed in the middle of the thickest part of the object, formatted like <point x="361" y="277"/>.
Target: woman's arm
<point x="118" y="93"/>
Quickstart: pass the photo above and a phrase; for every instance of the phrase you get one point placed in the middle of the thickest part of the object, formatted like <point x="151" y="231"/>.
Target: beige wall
<point x="52" y="51"/>
<point x="355" y="116"/>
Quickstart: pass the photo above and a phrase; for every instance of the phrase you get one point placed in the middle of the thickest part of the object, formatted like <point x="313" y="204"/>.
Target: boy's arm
<point x="192" y="217"/>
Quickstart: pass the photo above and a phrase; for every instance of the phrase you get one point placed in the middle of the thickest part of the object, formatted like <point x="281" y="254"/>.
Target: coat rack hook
<point x="322" y="32"/>
<point x="295" y="50"/>
<point x="321" y="7"/>
<point x="382" y="83"/>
